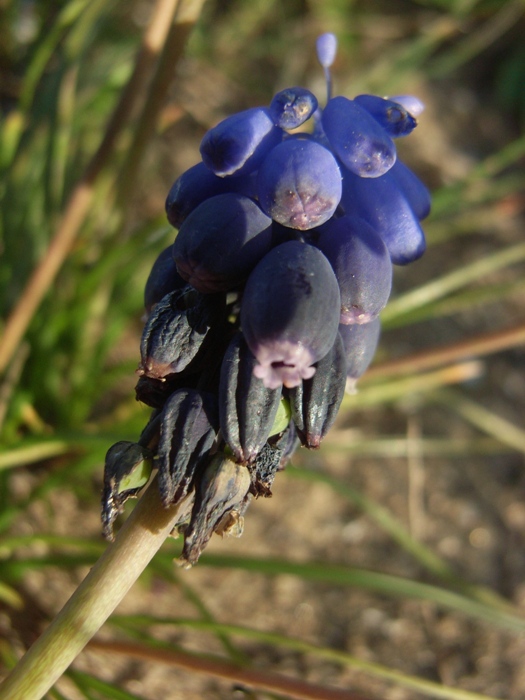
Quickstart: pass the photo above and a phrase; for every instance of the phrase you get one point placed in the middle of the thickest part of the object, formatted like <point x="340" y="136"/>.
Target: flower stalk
<point x="94" y="600"/>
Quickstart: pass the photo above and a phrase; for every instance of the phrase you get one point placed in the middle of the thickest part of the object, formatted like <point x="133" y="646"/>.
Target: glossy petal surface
<point x="362" y="265"/>
<point x="162" y="279"/>
<point x="360" y="343"/>
<point x="299" y="184"/>
<point x="357" y="139"/>
<point x="383" y="205"/>
<point x="392" y="116"/>
<point x="411" y="103"/>
<point x="197" y="184"/>
<point x="239" y="143"/>
<point x="415" y="191"/>
<point x="290" y="313"/>
<point x="221" y="242"/>
<point x="292" y="107"/>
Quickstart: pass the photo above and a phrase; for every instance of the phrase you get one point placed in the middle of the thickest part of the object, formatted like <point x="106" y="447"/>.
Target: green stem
<point x="95" y="599"/>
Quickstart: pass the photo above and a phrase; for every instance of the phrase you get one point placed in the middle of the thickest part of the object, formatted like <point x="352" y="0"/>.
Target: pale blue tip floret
<point x="326" y="46"/>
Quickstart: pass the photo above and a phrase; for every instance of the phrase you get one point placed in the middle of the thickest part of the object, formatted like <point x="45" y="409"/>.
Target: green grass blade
<point x="10" y="597"/>
<point x="477" y="41"/>
<point x="480" y="182"/>
<point x="321" y="572"/>
<point x="394" y="446"/>
<point x="108" y="691"/>
<point x="458" y="303"/>
<point x="387" y="392"/>
<point x="21" y="456"/>
<point x="482" y="418"/>
<point x="384" y="584"/>
<point x="450" y="282"/>
<point x="381" y="517"/>
<point x="396" y="530"/>
<point x="65" y="19"/>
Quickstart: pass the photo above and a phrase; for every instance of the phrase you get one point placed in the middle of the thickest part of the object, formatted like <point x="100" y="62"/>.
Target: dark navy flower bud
<point x="392" y="116"/>
<point x="188" y="429"/>
<point x="381" y="202"/>
<point x="237" y="145"/>
<point x="315" y="402"/>
<point x="162" y="279"/>
<point x="247" y="407"/>
<point x="292" y="107"/>
<point x="290" y="313"/>
<point x="221" y="241"/>
<point x="360" y="343"/>
<point x="356" y="138"/>
<point x="198" y="184"/>
<point x="177" y="330"/>
<point x="362" y="265"/>
<point x="299" y="184"/>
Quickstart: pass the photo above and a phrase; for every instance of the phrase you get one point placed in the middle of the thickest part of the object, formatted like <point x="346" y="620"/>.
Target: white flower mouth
<point x="283" y="362"/>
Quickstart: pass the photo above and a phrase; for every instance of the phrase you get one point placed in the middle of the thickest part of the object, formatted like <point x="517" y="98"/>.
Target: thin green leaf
<point x="450" y="282"/>
<point x="10" y="597"/>
<point x="384" y="584"/>
<point x="84" y="681"/>
<point x="394" y="390"/>
<point x="482" y="418"/>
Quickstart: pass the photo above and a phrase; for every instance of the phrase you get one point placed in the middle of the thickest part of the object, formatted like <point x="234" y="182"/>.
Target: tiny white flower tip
<point x="283" y="363"/>
<point x="326" y="46"/>
<point x="411" y="103"/>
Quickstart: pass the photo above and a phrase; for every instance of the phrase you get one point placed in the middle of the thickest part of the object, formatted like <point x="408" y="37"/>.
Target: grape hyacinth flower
<point x="299" y="184"/>
<point x="392" y="116"/>
<point x="292" y="107"/>
<point x="361" y="143"/>
<point x="265" y="308"/>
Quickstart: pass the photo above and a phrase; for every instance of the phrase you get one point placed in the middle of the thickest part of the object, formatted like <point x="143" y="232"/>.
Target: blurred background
<point x="390" y="562"/>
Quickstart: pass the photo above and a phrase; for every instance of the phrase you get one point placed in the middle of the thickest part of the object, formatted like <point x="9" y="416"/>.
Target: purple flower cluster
<point x="266" y="305"/>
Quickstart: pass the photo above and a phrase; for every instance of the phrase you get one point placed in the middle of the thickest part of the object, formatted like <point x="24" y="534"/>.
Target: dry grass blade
<point x="482" y="418"/>
<point x="260" y="680"/>
<point x="78" y="205"/>
<point x="476" y="346"/>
